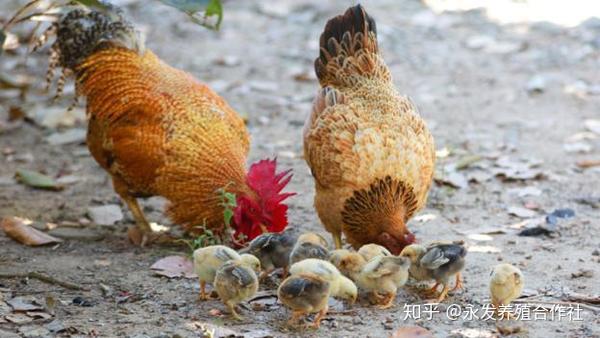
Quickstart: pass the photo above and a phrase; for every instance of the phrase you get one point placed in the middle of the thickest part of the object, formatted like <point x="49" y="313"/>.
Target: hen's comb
<point x="267" y="183"/>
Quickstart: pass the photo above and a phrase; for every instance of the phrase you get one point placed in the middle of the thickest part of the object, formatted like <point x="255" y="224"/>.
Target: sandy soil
<point x="514" y="95"/>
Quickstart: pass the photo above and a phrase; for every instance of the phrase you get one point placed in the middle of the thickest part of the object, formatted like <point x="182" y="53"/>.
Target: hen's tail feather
<point x="348" y="50"/>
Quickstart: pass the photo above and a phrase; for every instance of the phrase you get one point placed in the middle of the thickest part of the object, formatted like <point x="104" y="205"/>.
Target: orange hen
<point x="158" y="131"/>
<point x="369" y="151"/>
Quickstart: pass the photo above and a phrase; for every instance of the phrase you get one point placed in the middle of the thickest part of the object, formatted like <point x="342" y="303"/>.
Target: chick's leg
<point x="458" y="284"/>
<point x="317" y="322"/>
<point x="234" y="313"/>
<point x="295" y="317"/>
<point x="203" y="295"/>
<point x="443" y="294"/>
<point x="388" y="301"/>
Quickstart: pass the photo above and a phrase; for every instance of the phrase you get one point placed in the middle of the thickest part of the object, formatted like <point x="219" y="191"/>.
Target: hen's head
<point x="262" y="210"/>
<point x="396" y="242"/>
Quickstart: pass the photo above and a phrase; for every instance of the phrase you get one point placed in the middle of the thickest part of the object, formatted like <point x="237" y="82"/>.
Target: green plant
<point x="228" y="201"/>
<point x="192" y="8"/>
<point x="207" y="238"/>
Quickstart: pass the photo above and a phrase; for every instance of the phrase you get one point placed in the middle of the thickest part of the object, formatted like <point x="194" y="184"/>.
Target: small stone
<point x="75" y="135"/>
<point x="596" y="252"/>
<point x="33" y="331"/>
<point x="24" y="303"/>
<point x="106" y="214"/>
<point x="18" y="318"/>
<point x="536" y="85"/>
<point x="81" y="234"/>
<point x="55" y="326"/>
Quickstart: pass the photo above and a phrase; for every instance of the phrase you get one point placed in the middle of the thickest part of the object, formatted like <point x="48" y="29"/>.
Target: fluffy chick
<point x="370" y="251"/>
<point x="273" y="250"/>
<point x="439" y="261"/>
<point x="340" y="285"/>
<point x="382" y="276"/>
<point x="235" y="282"/>
<point x="209" y="259"/>
<point x="309" y="245"/>
<point x="303" y="294"/>
<point x="506" y="285"/>
<point x="349" y="263"/>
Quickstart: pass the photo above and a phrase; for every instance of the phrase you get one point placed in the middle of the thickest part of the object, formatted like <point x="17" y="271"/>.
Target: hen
<point x="371" y="154"/>
<point x="159" y="132"/>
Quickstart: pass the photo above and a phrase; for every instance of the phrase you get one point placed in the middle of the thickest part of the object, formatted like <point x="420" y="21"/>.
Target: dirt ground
<point x="509" y="106"/>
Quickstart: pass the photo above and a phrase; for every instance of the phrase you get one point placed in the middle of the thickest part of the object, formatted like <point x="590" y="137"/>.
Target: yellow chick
<point x="370" y="251"/>
<point x="382" y="276"/>
<point x="303" y="294"/>
<point x="506" y="285"/>
<point x="309" y="245"/>
<point x="340" y="285"/>
<point x="235" y="282"/>
<point x="349" y="263"/>
<point x="439" y="261"/>
<point x="207" y="261"/>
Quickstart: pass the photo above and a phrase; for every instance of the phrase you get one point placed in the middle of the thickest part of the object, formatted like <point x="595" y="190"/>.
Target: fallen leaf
<point x="19" y="230"/>
<point x="24" y="303"/>
<point x="578" y="147"/>
<point x="521" y="212"/>
<point x="39" y="315"/>
<point x="584" y="164"/>
<point x="592" y="125"/>
<point x="453" y="179"/>
<point x="582" y="273"/>
<point x="174" y="267"/>
<point x="18" y="318"/>
<point x="71" y="136"/>
<point x="480" y="237"/>
<point x="105" y="214"/>
<point x="483" y="248"/>
<point x="37" y="180"/>
<point x="411" y="332"/>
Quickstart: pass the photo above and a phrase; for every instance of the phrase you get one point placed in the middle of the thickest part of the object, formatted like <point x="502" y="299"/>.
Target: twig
<point x="44" y="278"/>
<point x="585" y="306"/>
<point x="267" y="294"/>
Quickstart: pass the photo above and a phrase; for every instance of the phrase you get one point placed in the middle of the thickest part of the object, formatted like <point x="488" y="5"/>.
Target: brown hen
<point x="369" y="151"/>
<point x="158" y="131"/>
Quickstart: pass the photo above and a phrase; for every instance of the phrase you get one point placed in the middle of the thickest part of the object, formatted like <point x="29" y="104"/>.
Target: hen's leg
<point x="136" y="211"/>
<point x="337" y="239"/>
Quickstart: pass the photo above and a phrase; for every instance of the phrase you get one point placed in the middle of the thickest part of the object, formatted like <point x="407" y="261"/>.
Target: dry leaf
<point x="588" y="163"/>
<point x="174" y="267"/>
<point x="521" y="212"/>
<point x="19" y="230"/>
<point x="411" y="332"/>
<point x="37" y="180"/>
<point x="25" y="303"/>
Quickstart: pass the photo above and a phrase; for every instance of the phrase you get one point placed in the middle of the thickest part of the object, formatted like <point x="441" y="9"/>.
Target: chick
<point x="303" y="294"/>
<point x="340" y="285"/>
<point x="506" y="285"/>
<point x="438" y="261"/>
<point x="349" y="263"/>
<point x="382" y="276"/>
<point x="273" y="250"/>
<point x="208" y="259"/>
<point x="309" y="245"/>
<point x="235" y="281"/>
<point x="370" y="251"/>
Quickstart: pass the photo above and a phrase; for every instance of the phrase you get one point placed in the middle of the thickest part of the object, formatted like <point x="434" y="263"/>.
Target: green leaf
<point x="2" y="39"/>
<point x="37" y="180"/>
<point x="227" y="216"/>
<point x="92" y="3"/>
<point x="215" y="8"/>
<point x="193" y="7"/>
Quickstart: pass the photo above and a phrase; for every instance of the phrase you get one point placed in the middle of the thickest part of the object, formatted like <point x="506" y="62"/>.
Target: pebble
<point x="105" y="214"/>
<point x="536" y="85"/>
<point x="75" y="135"/>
